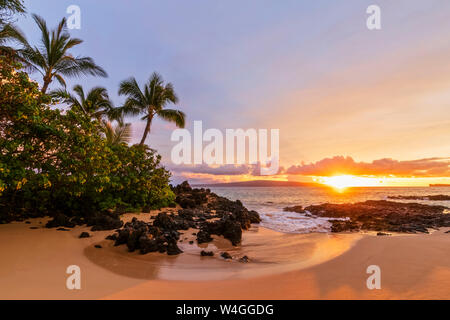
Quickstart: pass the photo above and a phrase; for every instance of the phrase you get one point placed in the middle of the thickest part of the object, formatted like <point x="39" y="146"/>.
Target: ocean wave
<point x="292" y="222"/>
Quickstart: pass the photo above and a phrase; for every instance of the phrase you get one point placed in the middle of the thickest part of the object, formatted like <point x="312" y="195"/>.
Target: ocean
<point x="270" y="201"/>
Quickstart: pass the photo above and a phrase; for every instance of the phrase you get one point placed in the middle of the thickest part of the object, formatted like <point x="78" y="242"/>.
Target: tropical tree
<point x="10" y="33"/>
<point x="150" y="102"/>
<point x="8" y="8"/>
<point x="118" y="134"/>
<point x="54" y="162"/>
<point x="52" y="57"/>
<point x="95" y="104"/>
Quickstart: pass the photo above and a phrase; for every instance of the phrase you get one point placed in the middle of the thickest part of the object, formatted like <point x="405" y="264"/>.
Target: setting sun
<point x="346" y="181"/>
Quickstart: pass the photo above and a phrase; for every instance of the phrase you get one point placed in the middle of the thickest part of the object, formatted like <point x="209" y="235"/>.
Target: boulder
<point x="232" y="231"/>
<point x="147" y="245"/>
<point x="203" y="237"/>
<point x="60" y="220"/>
<point x="104" y="221"/>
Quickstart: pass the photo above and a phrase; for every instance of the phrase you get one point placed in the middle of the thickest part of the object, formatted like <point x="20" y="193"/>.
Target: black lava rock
<point x="203" y="237"/>
<point x="105" y="221"/>
<point x="244" y="259"/>
<point x="111" y="237"/>
<point x="60" y="220"/>
<point x="147" y="245"/>
<point x="226" y="256"/>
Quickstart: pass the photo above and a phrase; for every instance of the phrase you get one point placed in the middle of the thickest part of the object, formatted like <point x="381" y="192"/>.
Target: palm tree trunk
<point x="147" y="129"/>
<point x="44" y="88"/>
<point x="47" y="81"/>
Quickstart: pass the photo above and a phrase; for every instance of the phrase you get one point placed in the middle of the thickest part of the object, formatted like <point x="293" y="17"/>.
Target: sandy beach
<point x="282" y="266"/>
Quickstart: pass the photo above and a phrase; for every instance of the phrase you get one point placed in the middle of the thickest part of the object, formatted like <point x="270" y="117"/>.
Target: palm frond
<point x="52" y="57"/>
<point x="130" y="87"/>
<point x="118" y="134"/>
<point x="175" y="116"/>
<point x="150" y="101"/>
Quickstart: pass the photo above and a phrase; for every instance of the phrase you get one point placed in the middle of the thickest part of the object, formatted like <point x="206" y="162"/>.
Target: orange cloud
<point x="430" y="167"/>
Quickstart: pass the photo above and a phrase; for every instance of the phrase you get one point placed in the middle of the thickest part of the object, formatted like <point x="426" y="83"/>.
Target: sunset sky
<point x="347" y="101"/>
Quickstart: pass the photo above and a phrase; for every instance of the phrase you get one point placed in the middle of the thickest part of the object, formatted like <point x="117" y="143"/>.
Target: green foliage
<point x="54" y="162"/>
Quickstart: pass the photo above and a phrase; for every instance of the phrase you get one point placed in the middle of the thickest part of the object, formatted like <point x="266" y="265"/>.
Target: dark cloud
<point x="223" y="170"/>
<point x="430" y="167"/>
<point x="229" y="170"/>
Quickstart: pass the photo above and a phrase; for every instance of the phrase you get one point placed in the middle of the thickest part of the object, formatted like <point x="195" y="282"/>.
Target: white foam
<point x="292" y="222"/>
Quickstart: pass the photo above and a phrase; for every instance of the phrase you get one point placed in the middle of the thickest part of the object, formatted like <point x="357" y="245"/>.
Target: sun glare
<point x="346" y="181"/>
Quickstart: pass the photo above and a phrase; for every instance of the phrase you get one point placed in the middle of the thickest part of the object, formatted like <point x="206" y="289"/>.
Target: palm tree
<point x="150" y="102"/>
<point x="8" y="8"/>
<point x="118" y="134"/>
<point x="52" y="58"/>
<point x="95" y="104"/>
<point x="10" y="33"/>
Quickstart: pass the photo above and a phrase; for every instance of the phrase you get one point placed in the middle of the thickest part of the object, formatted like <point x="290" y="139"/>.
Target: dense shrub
<point x="58" y="162"/>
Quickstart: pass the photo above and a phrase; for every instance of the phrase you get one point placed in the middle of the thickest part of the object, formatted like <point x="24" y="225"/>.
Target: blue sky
<point x="310" y="68"/>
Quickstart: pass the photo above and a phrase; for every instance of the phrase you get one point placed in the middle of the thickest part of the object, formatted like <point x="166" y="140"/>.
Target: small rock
<point x="206" y="253"/>
<point x="84" y="235"/>
<point x="244" y="259"/>
<point x="226" y="255"/>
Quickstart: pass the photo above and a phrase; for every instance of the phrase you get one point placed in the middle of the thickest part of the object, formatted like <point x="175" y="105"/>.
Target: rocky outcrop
<point x="381" y="215"/>
<point x="146" y="237"/>
<point x="104" y="221"/>
<point x="298" y="209"/>
<point x="439" y="197"/>
<point x="212" y="214"/>
<point x="100" y="221"/>
<point x="187" y="197"/>
<point x="201" y="209"/>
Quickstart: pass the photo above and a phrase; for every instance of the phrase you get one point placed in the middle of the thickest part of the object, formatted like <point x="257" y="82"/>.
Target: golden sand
<point x="282" y="266"/>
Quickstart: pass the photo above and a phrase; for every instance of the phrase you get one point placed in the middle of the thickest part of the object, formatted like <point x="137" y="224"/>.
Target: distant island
<point x="261" y="183"/>
<point x="439" y="185"/>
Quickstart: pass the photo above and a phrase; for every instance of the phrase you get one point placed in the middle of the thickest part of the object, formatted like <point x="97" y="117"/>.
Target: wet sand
<point x="282" y="266"/>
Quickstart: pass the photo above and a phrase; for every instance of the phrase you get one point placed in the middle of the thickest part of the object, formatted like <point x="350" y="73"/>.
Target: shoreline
<point x="321" y="266"/>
